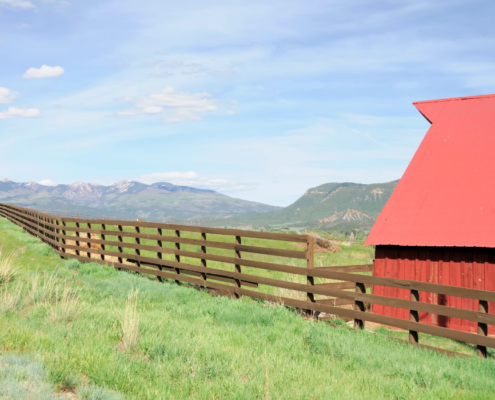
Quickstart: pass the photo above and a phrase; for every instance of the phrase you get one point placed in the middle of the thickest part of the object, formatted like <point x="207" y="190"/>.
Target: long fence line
<point x="69" y="239"/>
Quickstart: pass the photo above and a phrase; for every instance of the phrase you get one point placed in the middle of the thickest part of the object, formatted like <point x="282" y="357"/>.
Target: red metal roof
<point x="446" y="197"/>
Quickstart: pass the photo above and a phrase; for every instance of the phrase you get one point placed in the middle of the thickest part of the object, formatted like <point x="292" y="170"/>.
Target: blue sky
<point x="257" y="99"/>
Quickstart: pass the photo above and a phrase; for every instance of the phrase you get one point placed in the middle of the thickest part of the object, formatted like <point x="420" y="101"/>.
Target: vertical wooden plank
<point x="489" y="283"/>
<point x="57" y="231"/>
<point x="40" y="231"/>
<point x="310" y="255"/>
<point x="63" y="239"/>
<point x="88" y="235"/>
<point x="49" y="220"/>
<point x="137" y="251"/>
<point x="38" y="224"/>
<point x="414" y="316"/>
<point x="482" y="328"/>
<point x="177" y="257"/>
<point x="103" y="228"/>
<point x="359" y="305"/>
<point x="238" y="240"/>
<point x="77" y="236"/>
<point x="203" y="261"/>
<point x="54" y="238"/>
<point x="159" y="254"/>
<point x="119" y="227"/>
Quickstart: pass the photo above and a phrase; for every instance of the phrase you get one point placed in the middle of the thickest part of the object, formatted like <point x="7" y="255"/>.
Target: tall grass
<point x="67" y="307"/>
<point x="129" y="322"/>
<point x="10" y="298"/>
<point x="8" y="268"/>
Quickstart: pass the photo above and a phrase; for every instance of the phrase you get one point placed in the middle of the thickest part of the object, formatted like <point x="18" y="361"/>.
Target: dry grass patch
<point x="67" y="307"/>
<point x="129" y="322"/>
<point x="8" y="268"/>
<point x="10" y="300"/>
<point x="292" y="294"/>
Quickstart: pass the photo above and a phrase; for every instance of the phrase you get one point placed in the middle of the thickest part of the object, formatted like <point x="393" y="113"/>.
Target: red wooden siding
<point x="468" y="267"/>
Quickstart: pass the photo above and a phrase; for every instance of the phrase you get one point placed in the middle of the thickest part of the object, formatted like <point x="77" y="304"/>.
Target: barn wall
<point x="468" y="267"/>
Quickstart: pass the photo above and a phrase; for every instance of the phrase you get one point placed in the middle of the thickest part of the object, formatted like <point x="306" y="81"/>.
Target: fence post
<point x="203" y="261"/>
<point x="159" y="254"/>
<point x="63" y="239"/>
<point x="77" y="235"/>
<point x="57" y="231"/>
<point x="137" y="251"/>
<point x="177" y="257"/>
<point x="103" y="228"/>
<point x="359" y="305"/>
<point x="119" y="227"/>
<point x="414" y="317"/>
<point x="482" y="328"/>
<point x="310" y="264"/>
<point x="237" y="267"/>
<point x="50" y="220"/>
<point x="38" y="224"/>
<point x="54" y="238"/>
<point x="45" y="226"/>
<point x="88" y="245"/>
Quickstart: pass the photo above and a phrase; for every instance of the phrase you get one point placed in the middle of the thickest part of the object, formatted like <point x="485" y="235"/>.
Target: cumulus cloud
<point x="17" y="3"/>
<point x="191" y="178"/>
<point x="177" y="106"/>
<point x="22" y="112"/>
<point x="44" y="72"/>
<point x="7" y="95"/>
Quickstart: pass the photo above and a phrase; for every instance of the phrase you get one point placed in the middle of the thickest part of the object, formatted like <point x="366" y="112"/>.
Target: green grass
<point x="349" y="255"/>
<point x="193" y="345"/>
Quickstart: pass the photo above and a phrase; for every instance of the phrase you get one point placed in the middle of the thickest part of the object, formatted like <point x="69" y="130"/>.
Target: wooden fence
<point x="327" y="289"/>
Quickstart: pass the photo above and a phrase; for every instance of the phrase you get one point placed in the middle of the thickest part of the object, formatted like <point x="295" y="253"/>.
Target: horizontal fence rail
<point x="341" y="291"/>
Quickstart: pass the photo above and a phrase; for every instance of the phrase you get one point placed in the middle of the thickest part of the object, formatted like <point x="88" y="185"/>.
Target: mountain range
<point x="127" y="200"/>
<point x="331" y="206"/>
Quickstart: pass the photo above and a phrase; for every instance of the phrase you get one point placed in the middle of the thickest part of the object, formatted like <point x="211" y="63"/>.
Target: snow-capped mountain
<point x="127" y="199"/>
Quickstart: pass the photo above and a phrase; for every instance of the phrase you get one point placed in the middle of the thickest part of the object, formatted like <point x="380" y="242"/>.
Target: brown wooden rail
<point x="53" y="231"/>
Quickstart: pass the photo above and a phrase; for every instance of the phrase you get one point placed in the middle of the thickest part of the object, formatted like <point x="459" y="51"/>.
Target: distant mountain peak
<point x="6" y="180"/>
<point x="123" y="186"/>
<point x="330" y="206"/>
<point x="127" y="199"/>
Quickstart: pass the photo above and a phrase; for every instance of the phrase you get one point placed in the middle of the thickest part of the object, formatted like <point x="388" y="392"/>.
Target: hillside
<point x="128" y="200"/>
<point x="330" y="206"/>
<point x="91" y="332"/>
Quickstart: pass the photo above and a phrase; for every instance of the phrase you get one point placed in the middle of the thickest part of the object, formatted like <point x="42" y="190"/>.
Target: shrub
<point x="72" y="263"/>
<point x="23" y="378"/>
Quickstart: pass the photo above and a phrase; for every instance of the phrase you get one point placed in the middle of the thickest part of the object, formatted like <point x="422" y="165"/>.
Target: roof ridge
<point x="455" y="99"/>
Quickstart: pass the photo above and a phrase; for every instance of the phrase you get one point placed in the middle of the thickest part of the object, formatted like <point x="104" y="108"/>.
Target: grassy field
<point x="349" y="255"/>
<point x="105" y="334"/>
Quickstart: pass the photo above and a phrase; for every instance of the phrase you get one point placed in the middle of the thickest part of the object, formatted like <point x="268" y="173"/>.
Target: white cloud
<point x="7" y="95"/>
<point x="13" y="112"/>
<point x="153" y="110"/>
<point x="181" y="106"/>
<point x="44" y="72"/>
<point x="17" y="3"/>
<point x="47" y="182"/>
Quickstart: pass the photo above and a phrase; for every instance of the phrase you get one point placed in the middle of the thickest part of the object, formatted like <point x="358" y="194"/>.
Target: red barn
<point x="439" y="224"/>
